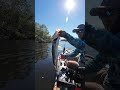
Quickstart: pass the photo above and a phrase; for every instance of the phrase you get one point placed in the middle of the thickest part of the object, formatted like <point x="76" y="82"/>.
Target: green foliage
<point x="41" y="33"/>
<point x="16" y="19"/>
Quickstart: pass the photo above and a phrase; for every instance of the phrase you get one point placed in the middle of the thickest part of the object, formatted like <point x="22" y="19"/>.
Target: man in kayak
<point x="76" y="42"/>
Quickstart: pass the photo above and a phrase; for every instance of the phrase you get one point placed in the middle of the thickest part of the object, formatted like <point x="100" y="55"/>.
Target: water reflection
<point x="16" y="60"/>
<point x="41" y="51"/>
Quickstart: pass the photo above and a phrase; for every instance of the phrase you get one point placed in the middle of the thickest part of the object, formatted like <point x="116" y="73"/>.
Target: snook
<point x="55" y="43"/>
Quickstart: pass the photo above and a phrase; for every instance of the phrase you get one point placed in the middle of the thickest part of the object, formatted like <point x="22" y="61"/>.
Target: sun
<point x="70" y="4"/>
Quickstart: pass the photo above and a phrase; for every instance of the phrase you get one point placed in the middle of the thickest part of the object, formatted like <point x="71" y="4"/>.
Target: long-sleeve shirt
<point x="77" y="43"/>
<point x="108" y="45"/>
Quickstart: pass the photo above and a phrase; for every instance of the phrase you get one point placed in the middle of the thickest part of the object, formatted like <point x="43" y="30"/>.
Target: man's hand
<point x="60" y="32"/>
<point x="72" y="64"/>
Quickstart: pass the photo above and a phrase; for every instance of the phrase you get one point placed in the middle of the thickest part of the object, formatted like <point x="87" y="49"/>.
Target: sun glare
<point x="70" y="4"/>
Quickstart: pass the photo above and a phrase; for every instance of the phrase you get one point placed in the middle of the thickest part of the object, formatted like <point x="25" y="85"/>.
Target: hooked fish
<point x="55" y="43"/>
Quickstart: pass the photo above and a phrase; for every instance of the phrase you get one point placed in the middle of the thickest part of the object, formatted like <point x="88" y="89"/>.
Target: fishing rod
<point x="64" y="48"/>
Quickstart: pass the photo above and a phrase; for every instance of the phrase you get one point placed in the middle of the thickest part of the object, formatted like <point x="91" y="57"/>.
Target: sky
<point x="53" y="14"/>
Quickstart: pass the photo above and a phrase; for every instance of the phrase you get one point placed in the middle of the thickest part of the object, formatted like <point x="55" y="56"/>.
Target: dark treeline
<point x="16" y="19"/>
<point x="42" y="33"/>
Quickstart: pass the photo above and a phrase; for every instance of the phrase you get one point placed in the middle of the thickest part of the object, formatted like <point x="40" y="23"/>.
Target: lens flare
<point x="66" y="19"/>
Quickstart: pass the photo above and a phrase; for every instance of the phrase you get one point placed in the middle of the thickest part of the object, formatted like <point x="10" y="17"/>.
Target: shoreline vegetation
<point x="42" y="34"/>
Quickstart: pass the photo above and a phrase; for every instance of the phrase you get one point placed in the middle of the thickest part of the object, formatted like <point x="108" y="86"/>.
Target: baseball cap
<point x="80" y="28"/>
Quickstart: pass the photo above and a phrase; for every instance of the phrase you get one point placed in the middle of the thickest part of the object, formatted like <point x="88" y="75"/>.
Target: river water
<point x="25" y="65"/>
<point x="17" y="64"/>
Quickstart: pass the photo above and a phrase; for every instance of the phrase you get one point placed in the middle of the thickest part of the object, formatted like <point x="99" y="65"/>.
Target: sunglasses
<point x="79" y="32"/>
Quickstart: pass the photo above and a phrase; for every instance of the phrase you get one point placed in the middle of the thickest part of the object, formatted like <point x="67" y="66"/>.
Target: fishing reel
<point x="78" y="75"/>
